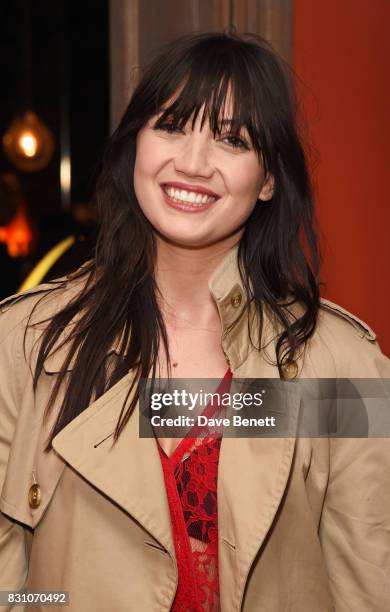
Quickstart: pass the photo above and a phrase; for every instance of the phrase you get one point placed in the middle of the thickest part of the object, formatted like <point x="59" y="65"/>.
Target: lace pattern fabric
<point x="190" y="475"/>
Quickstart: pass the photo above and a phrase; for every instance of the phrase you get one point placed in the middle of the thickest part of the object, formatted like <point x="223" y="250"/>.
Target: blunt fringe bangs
<point x="226" y="77"/>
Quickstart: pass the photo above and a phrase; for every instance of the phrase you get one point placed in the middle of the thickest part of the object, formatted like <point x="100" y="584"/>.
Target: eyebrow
<point x="221" y="124"/>
<point x="229" y="122"/>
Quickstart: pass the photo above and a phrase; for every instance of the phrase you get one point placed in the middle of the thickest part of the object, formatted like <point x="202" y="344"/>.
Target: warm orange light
<point x="28" y="143"/>
<point x="17" y="235"/>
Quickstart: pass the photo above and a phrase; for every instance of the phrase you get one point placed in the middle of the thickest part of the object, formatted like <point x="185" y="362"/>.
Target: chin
<point x="184" y="239"/>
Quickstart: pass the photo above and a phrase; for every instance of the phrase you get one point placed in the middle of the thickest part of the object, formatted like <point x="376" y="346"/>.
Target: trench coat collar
<point x="227" y="289"/>
<point x="252" y="475"/>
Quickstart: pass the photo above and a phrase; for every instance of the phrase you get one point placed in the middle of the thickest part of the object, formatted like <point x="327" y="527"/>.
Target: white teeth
<point x="191" y="197"/>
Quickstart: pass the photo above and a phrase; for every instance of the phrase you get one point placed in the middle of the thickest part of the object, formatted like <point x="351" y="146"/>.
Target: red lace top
<point x="191" y="482"/>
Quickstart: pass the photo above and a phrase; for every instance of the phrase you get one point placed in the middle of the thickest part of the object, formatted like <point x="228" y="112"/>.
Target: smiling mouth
<point x="191" y="198"/>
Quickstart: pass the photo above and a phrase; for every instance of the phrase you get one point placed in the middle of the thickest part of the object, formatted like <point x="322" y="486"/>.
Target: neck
<point x="182" y="276"/>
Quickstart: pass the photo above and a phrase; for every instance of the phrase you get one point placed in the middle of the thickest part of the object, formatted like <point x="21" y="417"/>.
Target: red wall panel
<point x="341" y="55"/>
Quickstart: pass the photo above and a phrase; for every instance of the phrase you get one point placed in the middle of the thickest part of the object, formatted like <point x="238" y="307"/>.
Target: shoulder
<point x="345" y="344"/>
<point x="40" y="303"/>
<point x="340" y="319"/>
<point x="16" y="312"/>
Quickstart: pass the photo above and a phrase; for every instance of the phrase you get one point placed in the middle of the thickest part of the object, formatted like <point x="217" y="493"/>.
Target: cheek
<point x="148" y="163"/>
<point x="245" y="180"/>
<point x="141" y="170"/>
<point x="143" y="160"/>
<point x="149" y="155"/>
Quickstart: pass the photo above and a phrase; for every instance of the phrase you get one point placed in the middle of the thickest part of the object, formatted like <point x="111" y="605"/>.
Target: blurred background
<point x="69" y="69"/>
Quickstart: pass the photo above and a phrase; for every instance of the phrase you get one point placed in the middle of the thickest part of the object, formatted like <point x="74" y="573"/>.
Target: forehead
<point x="181" y="100"/>
<point x="218" y="115"/>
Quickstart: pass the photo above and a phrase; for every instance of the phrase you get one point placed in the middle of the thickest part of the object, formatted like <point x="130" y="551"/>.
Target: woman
<point x="206" y="267"/>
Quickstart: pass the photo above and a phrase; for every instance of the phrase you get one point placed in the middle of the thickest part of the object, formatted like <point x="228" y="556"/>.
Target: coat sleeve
<point x="355" y="523"/>
<point x="15" y="537"/>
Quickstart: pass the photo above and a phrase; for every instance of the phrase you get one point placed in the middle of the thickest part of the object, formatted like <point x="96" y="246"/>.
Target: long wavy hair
<point x="278" y="252"/>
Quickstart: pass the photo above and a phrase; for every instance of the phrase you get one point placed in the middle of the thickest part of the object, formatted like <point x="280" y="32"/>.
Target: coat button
<point x="290" y="370"/>
<point x="34" y="496"/>
<point x="236" y="300"/>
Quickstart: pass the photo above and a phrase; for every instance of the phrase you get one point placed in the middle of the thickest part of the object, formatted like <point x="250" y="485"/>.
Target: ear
<point x="267" y="189"/>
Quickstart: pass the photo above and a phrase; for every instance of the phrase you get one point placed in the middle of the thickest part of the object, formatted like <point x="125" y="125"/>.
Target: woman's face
<point x="197" y="190"/>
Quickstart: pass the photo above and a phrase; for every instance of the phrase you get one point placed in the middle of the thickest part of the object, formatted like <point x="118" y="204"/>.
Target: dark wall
<point x="67" y="63"/>
<point x="89" y="89"/>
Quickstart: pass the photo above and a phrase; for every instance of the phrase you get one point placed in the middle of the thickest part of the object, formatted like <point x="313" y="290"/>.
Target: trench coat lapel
<point x="253" y="475"/>
<point x="128" y="472"/>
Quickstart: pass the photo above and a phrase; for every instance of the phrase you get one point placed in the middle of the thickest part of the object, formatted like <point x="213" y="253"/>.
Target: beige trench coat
<point x="304" y="524"/>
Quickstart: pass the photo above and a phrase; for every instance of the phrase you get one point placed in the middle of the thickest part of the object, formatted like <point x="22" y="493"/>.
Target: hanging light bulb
<point x="28" y="143"/>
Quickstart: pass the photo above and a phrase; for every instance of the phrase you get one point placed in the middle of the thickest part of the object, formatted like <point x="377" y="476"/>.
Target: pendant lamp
<point x="28" y="143"/>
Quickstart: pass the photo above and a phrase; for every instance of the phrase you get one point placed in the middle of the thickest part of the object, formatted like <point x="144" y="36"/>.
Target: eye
<point x="168" y="127"/>
<point x="236" y="142"/>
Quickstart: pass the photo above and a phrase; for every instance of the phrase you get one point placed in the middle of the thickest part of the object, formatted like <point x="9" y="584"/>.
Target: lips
<point x="205" y="201"/>
<point x="188" y="187"/>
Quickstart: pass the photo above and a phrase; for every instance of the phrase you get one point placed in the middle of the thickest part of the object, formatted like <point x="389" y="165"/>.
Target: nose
<point x="195" y="157"/>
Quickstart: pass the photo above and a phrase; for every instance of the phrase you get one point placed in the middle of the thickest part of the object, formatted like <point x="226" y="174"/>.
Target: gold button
<point x="34" y="496"/>
<point x="236" y="300"/>
<point x="290" y="370"/>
